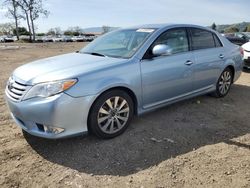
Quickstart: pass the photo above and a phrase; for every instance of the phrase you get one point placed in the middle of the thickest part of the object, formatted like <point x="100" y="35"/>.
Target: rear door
<point x="209" y="57"/>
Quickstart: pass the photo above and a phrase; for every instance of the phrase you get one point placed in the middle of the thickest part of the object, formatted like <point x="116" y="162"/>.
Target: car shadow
<point x="155" y="137"/>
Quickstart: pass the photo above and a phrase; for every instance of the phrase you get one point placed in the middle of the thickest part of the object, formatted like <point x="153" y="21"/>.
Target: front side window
<point x="176" y="39"/>
<point x="202" y="39"/>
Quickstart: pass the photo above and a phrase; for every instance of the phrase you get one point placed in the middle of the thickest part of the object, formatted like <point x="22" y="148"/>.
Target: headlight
<point x="49" y="88"/>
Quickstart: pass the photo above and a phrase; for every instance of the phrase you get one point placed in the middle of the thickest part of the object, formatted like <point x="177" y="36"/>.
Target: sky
<point x="123" y="13"/>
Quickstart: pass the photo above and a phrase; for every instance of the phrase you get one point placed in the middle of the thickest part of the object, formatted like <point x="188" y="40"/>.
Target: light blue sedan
<point x="123" y="73"/>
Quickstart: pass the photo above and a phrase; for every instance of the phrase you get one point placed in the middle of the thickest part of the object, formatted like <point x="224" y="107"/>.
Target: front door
<point x="166" y="78"/>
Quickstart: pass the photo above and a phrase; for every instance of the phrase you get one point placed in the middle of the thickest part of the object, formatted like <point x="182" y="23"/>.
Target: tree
<point x="247" y="29"/>
<point x="7" y="28"/>
<point x="55" y="31"/>
<point x="51" y="32"/>
<point x="73" y="31"/>
<point x="25" y="10"/>
<point x="58" y="31"/>
<point x="41" y="34"/>
<point x="21" y="31"/>
<point x="68" y="33"/>
<point x="214" y="26"/>
<point x="32" y="10"/>
<point x="106" y="29"/>
<point x="232" y="29"/>
<point x="13" y="12"/>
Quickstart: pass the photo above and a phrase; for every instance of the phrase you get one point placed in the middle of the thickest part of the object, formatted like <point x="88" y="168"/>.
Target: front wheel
<point x="111" y="114"/>
<point x="224" y="83"/>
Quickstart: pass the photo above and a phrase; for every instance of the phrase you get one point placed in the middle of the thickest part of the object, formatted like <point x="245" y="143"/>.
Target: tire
<point x="111" y="114"/>
<point x="224" y="83"/>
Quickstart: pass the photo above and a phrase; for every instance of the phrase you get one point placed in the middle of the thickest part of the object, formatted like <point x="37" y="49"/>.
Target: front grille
<point x="16" y="90"/>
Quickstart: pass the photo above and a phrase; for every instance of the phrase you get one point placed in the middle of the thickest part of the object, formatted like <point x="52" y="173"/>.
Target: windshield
<point x="120" y="43"/>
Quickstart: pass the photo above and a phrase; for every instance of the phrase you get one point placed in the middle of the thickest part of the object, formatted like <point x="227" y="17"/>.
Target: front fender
<point x="126" y="75"/>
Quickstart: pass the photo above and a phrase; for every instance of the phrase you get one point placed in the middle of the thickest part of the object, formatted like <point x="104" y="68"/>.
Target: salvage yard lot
<point x="202" y="142"/>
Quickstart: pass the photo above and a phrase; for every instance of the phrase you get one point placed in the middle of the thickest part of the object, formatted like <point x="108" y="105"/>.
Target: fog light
<point x="53" y="130"/>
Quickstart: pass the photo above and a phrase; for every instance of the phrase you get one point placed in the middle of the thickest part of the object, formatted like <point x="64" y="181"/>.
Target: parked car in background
<point x="39" y="39"/>
<point x="238" y="38"/>
<point x="78" y="39"/>
<point x="120" y="74"/>
<point x="67" y="39"/>
<point x="243" y="35"/>
<point x="235" y="39"/>
<point x="8" y="38"/>
<point x="89" y="38"/>
<point x="44" y="39"/>
<point x="57" y="39"/>
<point x="26" y="38"/>
<point x="48" y="39"/>
<point x="246" y="48"/>
<point x="81" y="38"/>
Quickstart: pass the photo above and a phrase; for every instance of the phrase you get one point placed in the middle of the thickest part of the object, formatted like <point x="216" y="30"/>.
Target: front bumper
<point x="60" y="111"/>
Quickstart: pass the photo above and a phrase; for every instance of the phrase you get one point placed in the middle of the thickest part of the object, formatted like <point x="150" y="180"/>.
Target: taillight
<point x="241" y="51"/>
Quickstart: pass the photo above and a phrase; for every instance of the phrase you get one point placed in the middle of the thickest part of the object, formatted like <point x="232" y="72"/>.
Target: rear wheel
<point x="224" y="83"/>
<point x="111" y="114"/>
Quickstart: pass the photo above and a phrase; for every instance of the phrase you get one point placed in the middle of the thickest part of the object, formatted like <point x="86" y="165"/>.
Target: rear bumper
<point x="60" y="111"/>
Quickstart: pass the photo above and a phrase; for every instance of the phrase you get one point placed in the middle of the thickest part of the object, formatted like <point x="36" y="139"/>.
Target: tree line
<point x="231" y="29"/>
<point x="28" y="10"/>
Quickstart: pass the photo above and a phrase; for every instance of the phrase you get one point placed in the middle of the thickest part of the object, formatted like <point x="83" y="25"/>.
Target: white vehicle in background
<point x="14" y="38"/>
<point x="44" y="39"/>
<point x="1" y="39"/>
<point x="74" y="38"/>
<point x="8" y="38"/>
<point x="67" y="39"/>
<point x="78" y="38"/>
<point x="246" y="48"/>
<point x="89" y="38"/>
<point x="57" y="39"/>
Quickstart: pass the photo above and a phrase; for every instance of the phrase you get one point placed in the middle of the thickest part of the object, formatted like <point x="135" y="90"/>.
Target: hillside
<point x="240" y="26"/>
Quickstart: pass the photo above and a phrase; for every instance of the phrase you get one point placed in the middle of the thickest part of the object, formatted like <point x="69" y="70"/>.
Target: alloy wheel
<point x="225" y="82"/>
<point x="113" y="115"/>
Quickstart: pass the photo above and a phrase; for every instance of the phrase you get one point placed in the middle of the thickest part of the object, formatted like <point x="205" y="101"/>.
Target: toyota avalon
<point x="124" y="73"/>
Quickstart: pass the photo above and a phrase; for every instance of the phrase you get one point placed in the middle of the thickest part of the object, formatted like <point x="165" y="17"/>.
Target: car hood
<point x="62" y="67"/>
<point x="246" y="46"/>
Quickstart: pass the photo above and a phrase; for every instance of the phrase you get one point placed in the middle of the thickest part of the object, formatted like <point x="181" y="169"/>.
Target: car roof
<point x="164" y="25"/>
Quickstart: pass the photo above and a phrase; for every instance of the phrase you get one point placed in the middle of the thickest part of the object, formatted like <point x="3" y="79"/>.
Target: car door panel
<point x="165" y="78"/>
<point x="209" y="56"/>
<point x="207" y="67"/>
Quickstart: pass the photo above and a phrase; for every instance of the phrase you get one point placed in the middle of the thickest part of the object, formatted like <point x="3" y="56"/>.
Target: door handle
<point x="221" y="56"/>
<point x="188" y="62"/>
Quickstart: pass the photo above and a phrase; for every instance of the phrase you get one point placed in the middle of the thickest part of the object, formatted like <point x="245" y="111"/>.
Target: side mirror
<point x="161" y="49"/>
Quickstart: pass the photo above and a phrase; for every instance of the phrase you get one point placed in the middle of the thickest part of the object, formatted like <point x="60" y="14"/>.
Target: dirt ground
<point x="202" y="142"/>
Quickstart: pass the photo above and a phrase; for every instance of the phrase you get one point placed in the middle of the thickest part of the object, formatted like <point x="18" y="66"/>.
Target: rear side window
<point x="202" y="39"/>
<point x="217" y="41"/>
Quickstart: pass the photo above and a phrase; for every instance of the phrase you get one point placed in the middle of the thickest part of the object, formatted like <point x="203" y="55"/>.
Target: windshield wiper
<point x="95" y="53"/>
